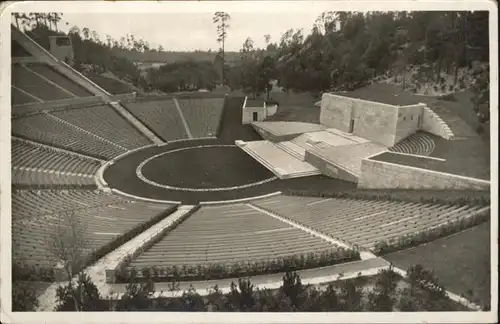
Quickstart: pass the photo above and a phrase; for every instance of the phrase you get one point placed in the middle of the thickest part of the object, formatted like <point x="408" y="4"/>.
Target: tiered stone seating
<point x="19" y="98"/>
<point x="32" y="177"/>
<point x="363" y="222"/>
<point x="101" y="218"/>
<point x="34" y="164"/>
<point x="202" y="115"/>
<point x="226" y="234"/>
<point x="104" y="121"/>
<point x="27" y="154"/>
<point x="418" y="143"/>
<point x="59" y="79"/>
<point x="161" y="117"/>
<point x="35" y="85"/>
<point x="17" y="50"/>
<point x="48" y="130"/>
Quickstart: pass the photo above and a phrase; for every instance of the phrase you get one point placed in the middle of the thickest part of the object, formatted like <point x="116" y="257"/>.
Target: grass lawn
<point x="473" y="164"/>
<point x="461" y="262"/>
<point x="295" y="107"/>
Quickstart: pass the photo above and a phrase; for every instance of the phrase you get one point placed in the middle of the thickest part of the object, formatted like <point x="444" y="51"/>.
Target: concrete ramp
<point x="342" y="162"/>
<point x="278" y="161"/>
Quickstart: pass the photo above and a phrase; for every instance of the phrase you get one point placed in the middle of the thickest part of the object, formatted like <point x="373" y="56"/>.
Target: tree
<point x="266" y="72"/>
<point x="351" y="295"/>
<point x="192" y="301"/>
<point x="137" y="296"/>
<point x="221" y="20"/>
<point x="292" y="288"/>
<point x="383" y="296"/>
<point x="68" y="242"/>
<point x="241" y="297"/>
<point x="80" y="296"/>
<point x="216" y="300"/>
<point x="267" y="39"/>
<point x="424" y="293"/>
<point x="17" y="17"/>
<point x="86" y="33"/>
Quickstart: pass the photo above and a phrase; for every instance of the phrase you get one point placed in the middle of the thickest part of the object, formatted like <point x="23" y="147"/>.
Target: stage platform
<point x="278" y="161"/>
<point x="326" y="139"/>
<point x="278" y="131"/>
<point x="294" y="149"/>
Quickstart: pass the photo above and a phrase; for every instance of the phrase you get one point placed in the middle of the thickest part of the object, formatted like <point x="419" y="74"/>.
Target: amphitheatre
<point x="189" y="186"/>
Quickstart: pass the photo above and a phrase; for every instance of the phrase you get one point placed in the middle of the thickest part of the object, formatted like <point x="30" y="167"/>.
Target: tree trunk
<point x="455" y="76"/>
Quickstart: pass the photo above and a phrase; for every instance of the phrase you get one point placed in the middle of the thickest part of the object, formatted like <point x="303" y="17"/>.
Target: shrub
<point x="23" y="297"/>
<point x="80" y="296"/>
<point x="448" y="97"/>
<point x="470" y="197"/>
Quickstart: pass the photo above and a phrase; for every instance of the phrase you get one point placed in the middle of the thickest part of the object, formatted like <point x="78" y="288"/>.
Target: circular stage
<point x="215" y="167"/>
<point x="202" y="170"/>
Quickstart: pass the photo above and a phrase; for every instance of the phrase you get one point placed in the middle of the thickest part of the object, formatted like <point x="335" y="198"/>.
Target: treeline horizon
<point x="343" y="51"/>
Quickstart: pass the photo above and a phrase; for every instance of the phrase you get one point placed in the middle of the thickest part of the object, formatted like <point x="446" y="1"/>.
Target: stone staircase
<point x="277" y="160"/>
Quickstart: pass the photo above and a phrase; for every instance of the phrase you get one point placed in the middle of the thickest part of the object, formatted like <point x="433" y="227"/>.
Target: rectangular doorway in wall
<point x="419" y="122"/>
<point x="351" y="126"/>
<point x="255" y="116"/>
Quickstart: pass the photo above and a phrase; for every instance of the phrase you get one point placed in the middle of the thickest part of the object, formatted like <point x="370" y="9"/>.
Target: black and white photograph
<point x="334" y="160"/>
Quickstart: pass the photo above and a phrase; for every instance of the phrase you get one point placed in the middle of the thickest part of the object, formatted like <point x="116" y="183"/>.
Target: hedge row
<point x="237" y="269"/>
<point x="428" y="235"/>
<point x="32" y="273"/>
<point x="455" y="197"/>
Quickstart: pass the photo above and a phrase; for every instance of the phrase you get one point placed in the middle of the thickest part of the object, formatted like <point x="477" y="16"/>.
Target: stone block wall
<point x="376" y="122"/>
<point x="383" y="175"/>
<point x="408" y="121"/>
<point x="372" y="120"/>
<point x="336" y="111"/>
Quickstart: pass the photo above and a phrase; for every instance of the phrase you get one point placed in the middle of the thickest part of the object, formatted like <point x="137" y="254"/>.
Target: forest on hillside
<point x="447" y="51"/>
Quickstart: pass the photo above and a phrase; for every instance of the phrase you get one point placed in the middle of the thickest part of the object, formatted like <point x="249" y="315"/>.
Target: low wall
<point x="124" y="97"/>
<point x="328" y="168"/>
<point x="384" y="175"/>
<point x="433" y="124"/>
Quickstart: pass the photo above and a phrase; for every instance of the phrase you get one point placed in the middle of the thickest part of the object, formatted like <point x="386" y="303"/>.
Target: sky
<point x="191" y="31"/>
